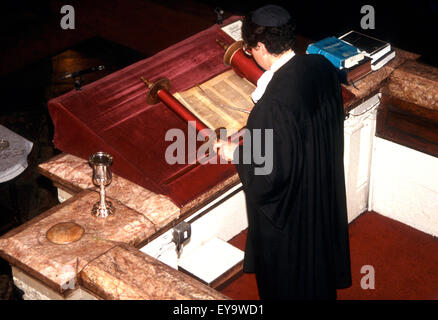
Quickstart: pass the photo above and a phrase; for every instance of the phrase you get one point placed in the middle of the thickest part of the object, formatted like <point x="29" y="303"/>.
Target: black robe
<point x="298" y="243"/>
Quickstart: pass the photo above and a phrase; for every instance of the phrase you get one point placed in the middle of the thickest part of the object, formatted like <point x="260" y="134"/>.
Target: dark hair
<point x="276" y="39"/>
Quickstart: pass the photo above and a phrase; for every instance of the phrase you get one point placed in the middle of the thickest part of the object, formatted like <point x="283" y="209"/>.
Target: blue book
<point x="339" y="53"/>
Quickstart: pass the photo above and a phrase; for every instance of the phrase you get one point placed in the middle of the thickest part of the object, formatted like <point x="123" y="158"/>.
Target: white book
<point x="377" y="64"/>
<point x="381" y="53"/>
<point x="373" y="48"/>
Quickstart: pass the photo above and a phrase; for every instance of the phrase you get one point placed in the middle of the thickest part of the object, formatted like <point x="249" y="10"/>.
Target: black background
<point x="408" y="25"/>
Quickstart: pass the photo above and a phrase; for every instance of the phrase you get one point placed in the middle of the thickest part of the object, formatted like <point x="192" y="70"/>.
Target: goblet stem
<point x="102" y="200"/>
<point x="100" y="162"/>
<point x="102" y="195"/>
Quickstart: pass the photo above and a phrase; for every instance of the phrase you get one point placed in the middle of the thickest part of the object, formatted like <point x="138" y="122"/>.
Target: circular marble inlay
<point x="65" y="232"/>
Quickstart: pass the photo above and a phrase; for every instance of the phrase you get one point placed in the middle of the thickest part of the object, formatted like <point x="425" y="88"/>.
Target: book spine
<point x="376" y="65"/>
<point x="338" y="63"/>
<point x="359" y="74"/>
<point x="381" y="53"/>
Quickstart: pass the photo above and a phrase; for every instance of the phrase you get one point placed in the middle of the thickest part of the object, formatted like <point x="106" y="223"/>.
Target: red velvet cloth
<point x="112" y="115"/>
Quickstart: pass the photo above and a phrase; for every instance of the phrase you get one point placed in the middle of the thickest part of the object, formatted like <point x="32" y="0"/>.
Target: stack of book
<point x="379" y="51"/>
<point x="339" y="53"/>
<point x="356" y="72"/>
<point x="353" y="54"/>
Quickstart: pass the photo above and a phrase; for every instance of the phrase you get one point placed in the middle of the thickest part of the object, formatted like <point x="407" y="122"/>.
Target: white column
<point x="359" y="130"/>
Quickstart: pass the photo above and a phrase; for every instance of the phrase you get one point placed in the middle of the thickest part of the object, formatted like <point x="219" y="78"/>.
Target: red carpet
<point x="405" y="263"/>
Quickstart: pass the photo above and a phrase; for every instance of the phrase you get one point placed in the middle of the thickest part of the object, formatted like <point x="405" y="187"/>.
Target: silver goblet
<point x="101" y="162"/>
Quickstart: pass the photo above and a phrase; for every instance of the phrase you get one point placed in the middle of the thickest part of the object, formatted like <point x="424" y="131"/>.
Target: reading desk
<point x="118" y="258"/>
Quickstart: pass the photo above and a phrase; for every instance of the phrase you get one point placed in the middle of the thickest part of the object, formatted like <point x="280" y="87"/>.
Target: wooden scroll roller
<point x="243" y="65"/>
<point x="159" y="91"/>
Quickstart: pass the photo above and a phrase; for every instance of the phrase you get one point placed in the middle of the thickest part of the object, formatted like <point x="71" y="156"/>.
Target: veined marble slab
<point x="73" y="170"/>
<point x="129" y="274"/>
<point x="58" y="265"/>
<point x="415" y="82"/>
<point x="374" y="81"/>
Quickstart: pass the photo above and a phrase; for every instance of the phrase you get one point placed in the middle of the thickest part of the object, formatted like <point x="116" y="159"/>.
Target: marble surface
<point x="75" y="172"/>
<point x="124" y="272"/>
<point x="374" y="81"/>
<point x="69" y="169"/>
<point x="105" y="266"/>
<point x="415" y="82"/>
<point x="58" y="265"/>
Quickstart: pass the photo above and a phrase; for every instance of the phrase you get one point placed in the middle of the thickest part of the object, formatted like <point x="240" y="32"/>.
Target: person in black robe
<point x="298" y="242"/>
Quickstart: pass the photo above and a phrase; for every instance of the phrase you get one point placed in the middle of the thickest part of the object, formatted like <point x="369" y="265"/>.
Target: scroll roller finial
<point x="149" y="84"/>
<point x="222" y="44"/>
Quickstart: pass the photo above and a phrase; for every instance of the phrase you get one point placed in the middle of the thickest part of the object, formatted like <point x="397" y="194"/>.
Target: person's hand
<point x="225" y="149"/>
